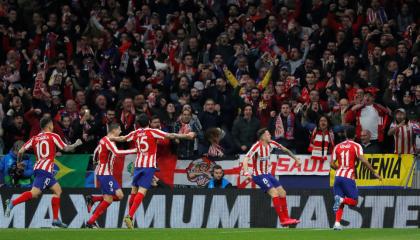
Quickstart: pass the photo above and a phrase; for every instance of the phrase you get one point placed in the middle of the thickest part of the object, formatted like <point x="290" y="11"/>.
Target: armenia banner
<point x="396" y="171"/>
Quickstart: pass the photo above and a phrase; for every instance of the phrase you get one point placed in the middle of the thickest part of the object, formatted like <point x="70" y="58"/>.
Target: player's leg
<point x="38" y="185"/>
<point x="24" y="197"/>
<point x="143" y="181"/>
<point x="55" y="203"/>
<point x="92" y="199"/>
<point x="282" y="202"/>
<point x="338" y="206"/>
<point x="133" y="193"/>
<point x="112" y="191"/>
<point x="351" y="194"/>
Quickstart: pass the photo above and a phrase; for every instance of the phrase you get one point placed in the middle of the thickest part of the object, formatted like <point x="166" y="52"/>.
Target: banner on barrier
<point x="203" y="208"/>
<point x="70" y="170"/>
<point x="197" y="172"/>
<point x="396" y="170"/>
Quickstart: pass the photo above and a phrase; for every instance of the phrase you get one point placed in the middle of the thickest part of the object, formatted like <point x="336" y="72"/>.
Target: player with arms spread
<point x="346" y="154"/>
<point x="145" y="140"/>
<point x="43" y="146"/>
<point x="105" y="155"/>
<point x="261" y="174"/>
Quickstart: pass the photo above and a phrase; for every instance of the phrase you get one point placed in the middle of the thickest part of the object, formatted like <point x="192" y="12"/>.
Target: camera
<point x="15" y="174"/>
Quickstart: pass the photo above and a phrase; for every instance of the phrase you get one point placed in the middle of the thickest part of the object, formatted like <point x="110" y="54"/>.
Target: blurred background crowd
<point x="222" y="69"/>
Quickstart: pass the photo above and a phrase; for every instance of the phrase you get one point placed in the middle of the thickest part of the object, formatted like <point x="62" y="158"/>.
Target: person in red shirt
<point x="259" y="153"/>
<point x="43" y="145"/>
<point x="105" y="156"/>
<point x="344" y="157"/>
<point x="146" y="140"/>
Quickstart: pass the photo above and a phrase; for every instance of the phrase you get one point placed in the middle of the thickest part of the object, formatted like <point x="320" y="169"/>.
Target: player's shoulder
<point x="255" y="145"/>
<point x="103" y="140"/>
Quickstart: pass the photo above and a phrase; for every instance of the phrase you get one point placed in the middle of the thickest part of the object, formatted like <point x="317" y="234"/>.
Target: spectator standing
<point x="369" y="116"/>
<point x="244" y="129"/>
<point x="187" y="149"/>
<point x="368" y="146"/>
<point x="403" y="132"/>
<point x="322" y="140"/>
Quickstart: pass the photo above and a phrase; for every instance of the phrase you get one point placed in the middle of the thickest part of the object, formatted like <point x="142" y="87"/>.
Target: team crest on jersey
<point x="198" y="171"/>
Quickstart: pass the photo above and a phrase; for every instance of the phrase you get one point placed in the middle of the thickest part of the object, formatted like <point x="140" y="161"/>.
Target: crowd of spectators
<point x="222" y="69"/>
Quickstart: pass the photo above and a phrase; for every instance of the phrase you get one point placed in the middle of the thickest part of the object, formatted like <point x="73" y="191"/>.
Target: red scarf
<point x="185" y="128"/>
<point x="127" y="119"/>
<point x="279" y="131"/>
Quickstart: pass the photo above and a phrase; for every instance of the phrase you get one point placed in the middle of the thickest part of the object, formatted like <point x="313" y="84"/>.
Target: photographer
<point x="17" y="174"/>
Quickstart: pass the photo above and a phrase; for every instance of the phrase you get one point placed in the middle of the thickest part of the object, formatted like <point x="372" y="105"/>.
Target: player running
<point x="106" y="153"/>
<point x="145" y="140"/>
<point x="43" y="146"/>
<point x="261" y="174"/>
<point x="345" y="190"/>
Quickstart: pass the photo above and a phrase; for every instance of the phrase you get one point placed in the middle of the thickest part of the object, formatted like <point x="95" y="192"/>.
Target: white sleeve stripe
<point x="58" y="142"/>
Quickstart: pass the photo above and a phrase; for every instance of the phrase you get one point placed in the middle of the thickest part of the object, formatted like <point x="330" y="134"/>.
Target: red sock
<point x="22" y="198"/>
<point x="350" y="201"/>
<point x="55" y="202"/>
<point x="278" y="208"/>
<point x="137" y="201"/>
<point x="131" y="200"/>
<point x="98" y="212"/>
<point x="283" y="204"/>
<point x="339" y="213"/>
<point x="97" y="198"/>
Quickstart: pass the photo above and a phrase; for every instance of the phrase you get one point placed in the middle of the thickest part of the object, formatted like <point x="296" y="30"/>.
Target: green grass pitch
<point x="204" y="234"/>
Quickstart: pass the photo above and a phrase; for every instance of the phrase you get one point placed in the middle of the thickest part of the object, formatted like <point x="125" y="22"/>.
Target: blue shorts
<point x="266" y="181"/>
<point x="143" y="177"/>
<point x="43" y="179"/>
<point x="108" y="184"/>
<point x="345" y="187"/>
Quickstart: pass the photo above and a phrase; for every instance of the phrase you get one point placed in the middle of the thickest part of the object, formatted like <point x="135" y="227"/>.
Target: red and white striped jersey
<point x="145" y="140"/>
<point x="105" y="156"/>
<point x="43" y="145"/>
<point x="404" y="139"/>
<point x="346" y="153"/>
<point x="260" y="155"/>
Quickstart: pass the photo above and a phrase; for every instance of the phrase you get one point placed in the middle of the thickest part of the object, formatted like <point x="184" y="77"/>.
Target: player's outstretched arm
<point x="189" y="136"/>
<point x="119" y="138"/>
<point x="20" y="153"/>
<point x="288" y="152"/>
<point x="369" y="166"/>
<point x="69" y="148"/>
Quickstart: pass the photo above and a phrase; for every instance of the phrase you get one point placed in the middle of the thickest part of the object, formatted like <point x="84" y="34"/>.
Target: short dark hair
<point x="261" y="132"/>
<point x="154" y="117"/>
<point x="216" y="167"/>
<point x="45" y="120"/>
<point x="113" y="126"/>
<point x="350" y="132"/>
<point x="143" y="120"/>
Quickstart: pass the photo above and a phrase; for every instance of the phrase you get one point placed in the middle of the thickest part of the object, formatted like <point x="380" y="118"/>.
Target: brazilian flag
<point x="70" y="170"/>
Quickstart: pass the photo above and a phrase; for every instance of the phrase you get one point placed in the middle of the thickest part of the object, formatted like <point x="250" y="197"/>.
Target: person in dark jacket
<point x="210" y="117"/>
<point x="244" y="130"/>
<point x="222" y="94"/>
<point x="218" y="180"/>
<point x="367" y="145"/>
